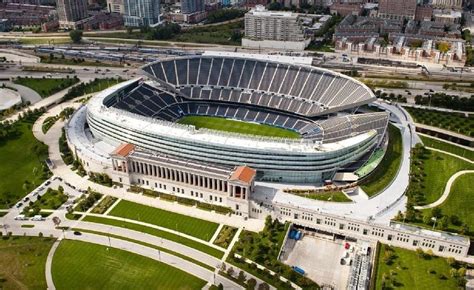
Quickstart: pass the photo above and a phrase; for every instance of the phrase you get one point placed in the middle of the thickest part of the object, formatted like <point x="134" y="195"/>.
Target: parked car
<point x="37" y="217"/>
<point x="20" y="217"/>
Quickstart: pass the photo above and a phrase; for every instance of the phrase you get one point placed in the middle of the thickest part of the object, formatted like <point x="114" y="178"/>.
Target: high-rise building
<point x="192" y="6"/>
<point x="397" y="9"/>
<point x="115" y="6"/>
<point x="274" y="29"/>
<point x="71" y="11"/>
<point x="141" y="12"/>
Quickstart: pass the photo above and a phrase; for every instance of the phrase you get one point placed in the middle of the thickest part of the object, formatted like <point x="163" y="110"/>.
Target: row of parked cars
<point x="23" y="217"/>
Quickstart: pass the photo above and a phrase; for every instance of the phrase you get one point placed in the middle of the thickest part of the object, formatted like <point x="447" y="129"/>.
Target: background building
<point x="192" y="6"/>
<point x="115" y="6"/>
<point x="397" y="9"/>
<point x="274" y="29"/>
<point x="141" y="12"/>
<point x="71" y="11"/>
<point x="443" y="4"/>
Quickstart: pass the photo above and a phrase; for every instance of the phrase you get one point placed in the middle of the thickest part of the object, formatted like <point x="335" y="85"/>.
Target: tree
<point x="263" y="286"/>
<point x="241" y="276"/>
<point x="76" y="36"/>
<point x="220" y="286"/>
<point x="443" y="47"/>
<point x="420" y="253"/>
<point x="443" y="223"/>
<point x="251" y="283"/>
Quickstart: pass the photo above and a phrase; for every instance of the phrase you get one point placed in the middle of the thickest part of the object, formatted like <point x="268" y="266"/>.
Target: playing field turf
<point x="22" y="262"/>
<point x="192" y="226"/>
<point x="80" y="265"/>
<point x="222" y="124"/>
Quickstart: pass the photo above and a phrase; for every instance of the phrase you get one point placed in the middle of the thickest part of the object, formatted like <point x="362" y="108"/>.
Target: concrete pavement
<point x="49" y="264"/>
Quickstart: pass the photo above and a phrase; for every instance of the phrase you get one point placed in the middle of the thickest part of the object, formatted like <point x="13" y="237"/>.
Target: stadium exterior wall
<point x="278" y="161"/>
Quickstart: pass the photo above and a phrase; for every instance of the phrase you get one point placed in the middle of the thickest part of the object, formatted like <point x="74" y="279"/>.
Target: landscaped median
<point x="157" y="233"/>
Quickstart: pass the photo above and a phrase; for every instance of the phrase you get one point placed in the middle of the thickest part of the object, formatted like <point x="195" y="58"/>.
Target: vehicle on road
<point x="76" y="233"/>
<point x="37" y="218"/>
<point x="21" y="217"/>
<point x="18" y="205"/>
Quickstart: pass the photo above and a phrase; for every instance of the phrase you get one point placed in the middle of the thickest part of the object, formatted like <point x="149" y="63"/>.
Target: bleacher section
<point x="148" y="100"/>
<point x="302" y="90"/>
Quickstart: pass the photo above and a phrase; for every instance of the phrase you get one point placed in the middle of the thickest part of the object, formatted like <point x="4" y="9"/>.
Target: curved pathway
<point x="49" y="263"/>
<point x="447" y="189"/>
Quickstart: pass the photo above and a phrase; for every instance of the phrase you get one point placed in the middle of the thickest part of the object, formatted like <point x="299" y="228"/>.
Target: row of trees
<point x="222" y="15"/>
<point x="161" y="32"/>
<point x="446" y="101"/>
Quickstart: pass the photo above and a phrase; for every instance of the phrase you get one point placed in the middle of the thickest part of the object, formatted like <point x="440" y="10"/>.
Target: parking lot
<point x="320" y="258"/>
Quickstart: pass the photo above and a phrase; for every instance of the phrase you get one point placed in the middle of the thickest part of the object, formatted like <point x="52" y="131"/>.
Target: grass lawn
<point x="222" y="124"/>
<point x="455" y="122"/>
<point x="20" y="154"/>
<point x="438" y="168"/>
<point x="22" y="262"/>
<point x="45" y="87"/>
<point x="335" y="196"/>
<point x="166" y="250"/>
<point x="448" y="147"/>
<point x="158" y="233"/>
<point x="80" y="265"/>
<point x="191" y="226"/>
<point x="90" y="87"/>
<point x="460" y="202"/>
<point x="412" y="272"/>
<point x="387" y="169"/>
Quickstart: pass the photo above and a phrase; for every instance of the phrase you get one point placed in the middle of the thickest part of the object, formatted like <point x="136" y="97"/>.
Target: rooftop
<point x="244" y="174"/>
<point x="124" y="149"/>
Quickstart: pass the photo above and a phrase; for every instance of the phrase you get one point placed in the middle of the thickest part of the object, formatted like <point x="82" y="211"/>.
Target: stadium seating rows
<point x="150" y="101"/>
<point x="299" y="89"/>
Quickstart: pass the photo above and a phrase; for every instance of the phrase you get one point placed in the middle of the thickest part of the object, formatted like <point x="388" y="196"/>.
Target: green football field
<point x="222" y="124"/>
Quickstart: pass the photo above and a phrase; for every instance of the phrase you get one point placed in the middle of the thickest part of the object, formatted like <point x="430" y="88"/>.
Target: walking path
<point x="447" y="190"/>
<point x="49" y="264"/>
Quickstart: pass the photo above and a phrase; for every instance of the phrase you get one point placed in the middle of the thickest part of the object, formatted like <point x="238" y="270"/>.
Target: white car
<point x="37" y="218"/>
<point x="20" y="217"/>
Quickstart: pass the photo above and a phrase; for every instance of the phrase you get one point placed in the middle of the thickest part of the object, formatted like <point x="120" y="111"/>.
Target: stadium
<point x="292" y="123"/>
